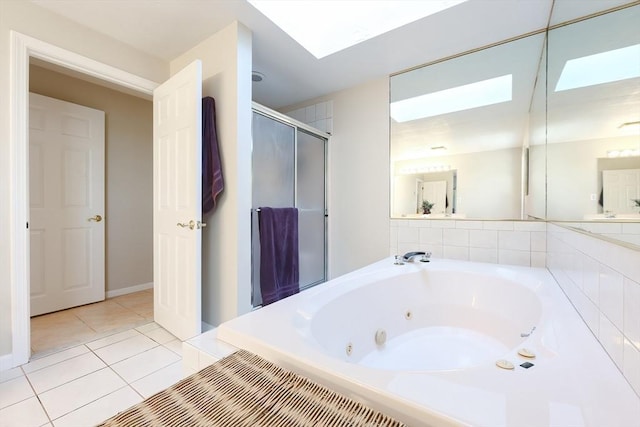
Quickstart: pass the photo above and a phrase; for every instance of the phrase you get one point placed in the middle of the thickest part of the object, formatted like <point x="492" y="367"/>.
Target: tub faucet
<point x="409" y="256"/>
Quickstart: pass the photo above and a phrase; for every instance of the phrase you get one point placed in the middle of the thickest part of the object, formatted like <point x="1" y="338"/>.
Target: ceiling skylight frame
<point x="326" y="27"/>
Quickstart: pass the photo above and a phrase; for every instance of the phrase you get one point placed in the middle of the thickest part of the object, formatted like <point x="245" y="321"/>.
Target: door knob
<point x="191" y="225"/>
<point x="96" y="218"/>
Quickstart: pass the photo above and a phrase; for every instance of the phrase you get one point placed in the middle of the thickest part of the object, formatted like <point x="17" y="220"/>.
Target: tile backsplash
<point x="602" y="280"/>
<point x="503" y="242"/>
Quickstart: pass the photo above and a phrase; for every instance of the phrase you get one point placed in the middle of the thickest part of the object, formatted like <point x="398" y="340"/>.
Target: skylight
<point x="473" y="95"/>
<point x="605" y="67"/>
<point x="325" y="27"/>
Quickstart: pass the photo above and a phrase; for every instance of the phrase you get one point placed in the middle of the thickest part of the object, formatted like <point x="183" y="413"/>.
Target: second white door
<point x="66" y="191"/>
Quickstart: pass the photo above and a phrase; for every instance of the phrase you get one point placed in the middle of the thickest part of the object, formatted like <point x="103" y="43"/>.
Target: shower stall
<point x="289" y="169"/>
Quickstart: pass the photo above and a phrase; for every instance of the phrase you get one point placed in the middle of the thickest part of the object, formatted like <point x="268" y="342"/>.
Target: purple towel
<point x="212" y="180"/>
<point x="279" y="272"/>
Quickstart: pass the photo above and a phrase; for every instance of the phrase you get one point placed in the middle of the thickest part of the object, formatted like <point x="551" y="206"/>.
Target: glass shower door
<point x="310" y="200"/>
<point x="288" y="170"/>
<point x="273" y="174"/>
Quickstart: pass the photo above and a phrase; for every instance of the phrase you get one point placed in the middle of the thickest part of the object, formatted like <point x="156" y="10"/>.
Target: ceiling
<point x="167" y="28"/>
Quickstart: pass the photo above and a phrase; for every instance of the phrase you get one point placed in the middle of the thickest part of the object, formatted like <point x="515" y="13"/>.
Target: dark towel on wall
<point x="212" y="180"/>
<point x="279" y="259"/>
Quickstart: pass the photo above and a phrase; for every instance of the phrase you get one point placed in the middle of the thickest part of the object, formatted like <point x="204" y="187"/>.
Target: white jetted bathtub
<point x="446" y="343"/>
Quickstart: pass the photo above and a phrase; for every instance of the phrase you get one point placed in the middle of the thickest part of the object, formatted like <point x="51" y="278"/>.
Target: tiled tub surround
<point x="602" y="280"/>
<point x="625" y="231"/>
<point x="503" y="242"/>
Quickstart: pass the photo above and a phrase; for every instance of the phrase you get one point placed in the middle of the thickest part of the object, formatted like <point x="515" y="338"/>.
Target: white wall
<point x="358" y="175"/>
<point x="33" y="21"/>
<point x="226" y="242"/>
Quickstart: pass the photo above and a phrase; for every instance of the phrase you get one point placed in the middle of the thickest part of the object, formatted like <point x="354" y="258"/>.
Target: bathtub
<point x="432" y="344"/>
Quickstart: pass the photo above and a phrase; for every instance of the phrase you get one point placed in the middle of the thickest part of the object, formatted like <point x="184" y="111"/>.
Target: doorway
<point x="128" y="195"/>
<point x="23" y="48"/>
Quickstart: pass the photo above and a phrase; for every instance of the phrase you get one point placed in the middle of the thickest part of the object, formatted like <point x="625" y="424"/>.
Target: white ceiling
<point x="167" y="28"/>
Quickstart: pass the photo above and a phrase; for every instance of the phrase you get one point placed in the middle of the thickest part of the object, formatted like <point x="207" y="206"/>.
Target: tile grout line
<point x="37" y="396"/>
<point x="109" y="366"/>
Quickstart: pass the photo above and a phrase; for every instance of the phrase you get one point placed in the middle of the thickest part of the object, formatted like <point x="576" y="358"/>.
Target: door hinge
<point x="27" y="224"/>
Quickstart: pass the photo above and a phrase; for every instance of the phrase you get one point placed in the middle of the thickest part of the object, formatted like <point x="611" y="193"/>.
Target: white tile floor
<point x="84" y="385"/>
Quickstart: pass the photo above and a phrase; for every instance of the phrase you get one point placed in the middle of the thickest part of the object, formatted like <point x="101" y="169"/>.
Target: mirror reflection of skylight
<point x="606" y="67"/>
<point x="473" y="95"/>
<point x="324" y="27"/>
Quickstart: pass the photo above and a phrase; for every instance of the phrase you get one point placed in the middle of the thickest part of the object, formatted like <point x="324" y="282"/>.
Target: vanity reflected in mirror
<point x="542" y="127"/>
<point x="436" y="188"/>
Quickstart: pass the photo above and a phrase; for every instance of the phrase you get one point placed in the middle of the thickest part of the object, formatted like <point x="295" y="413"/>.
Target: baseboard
<point x="129" y="290"/>
<point x="6" y="362"/>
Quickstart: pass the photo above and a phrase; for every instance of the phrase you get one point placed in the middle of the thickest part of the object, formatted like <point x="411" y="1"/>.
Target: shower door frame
<point x="297" y="125"/>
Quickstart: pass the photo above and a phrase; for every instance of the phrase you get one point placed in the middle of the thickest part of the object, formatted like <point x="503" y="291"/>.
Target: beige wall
<point x="28" y="19"/>
<point x="129" y="174"/>
<point x="226" y="241"/>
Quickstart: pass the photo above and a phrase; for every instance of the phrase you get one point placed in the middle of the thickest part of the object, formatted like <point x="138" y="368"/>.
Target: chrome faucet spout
<point x="409" y="256"/>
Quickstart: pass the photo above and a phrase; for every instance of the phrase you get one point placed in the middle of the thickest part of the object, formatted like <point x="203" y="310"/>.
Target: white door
<point x="66" y="192"/>
<point x="620" y="187"/>
<point x="177" y="203"/>
<point x="436" y="193"/>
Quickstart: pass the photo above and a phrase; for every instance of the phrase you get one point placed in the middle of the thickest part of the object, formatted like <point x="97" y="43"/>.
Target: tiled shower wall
<point x="319" y="115"/>
<point x="602" y="280"/>
<point x="503" y="242"/>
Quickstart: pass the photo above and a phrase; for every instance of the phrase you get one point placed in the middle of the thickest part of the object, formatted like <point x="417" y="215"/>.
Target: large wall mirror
<point x="593" y="119"/>
<point x="543" y="127"/>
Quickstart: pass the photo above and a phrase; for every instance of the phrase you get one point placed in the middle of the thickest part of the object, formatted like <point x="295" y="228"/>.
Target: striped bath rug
<point x="245" y="390"/>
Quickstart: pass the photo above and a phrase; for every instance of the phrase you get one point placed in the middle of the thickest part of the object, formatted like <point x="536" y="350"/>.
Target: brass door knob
<point x="96" y="218"/>
<point x="192" y="225"/>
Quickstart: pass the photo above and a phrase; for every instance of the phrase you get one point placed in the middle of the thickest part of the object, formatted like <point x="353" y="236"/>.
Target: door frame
<point x="22" y="48"/>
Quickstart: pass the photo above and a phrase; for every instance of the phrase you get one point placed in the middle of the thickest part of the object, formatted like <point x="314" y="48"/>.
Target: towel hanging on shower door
<point x="279" y="257"/>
